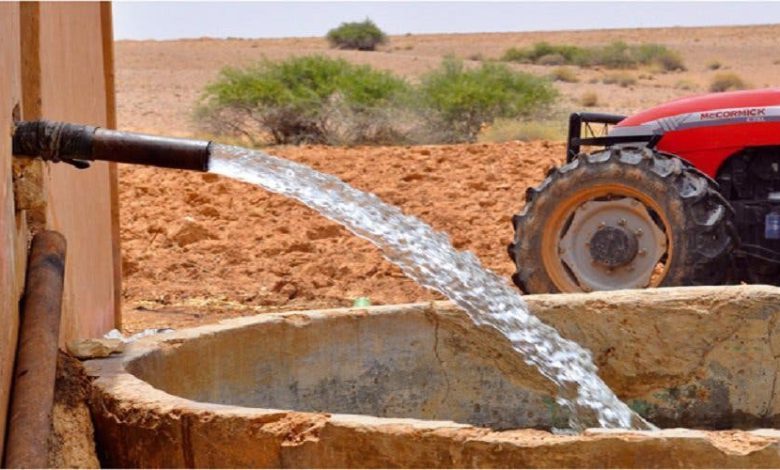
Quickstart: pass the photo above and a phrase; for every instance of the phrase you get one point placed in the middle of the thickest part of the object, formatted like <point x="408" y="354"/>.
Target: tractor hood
<point x="703" y="110"/>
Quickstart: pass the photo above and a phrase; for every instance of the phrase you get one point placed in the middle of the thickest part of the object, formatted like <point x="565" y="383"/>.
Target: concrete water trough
<point x="420" y="386"/>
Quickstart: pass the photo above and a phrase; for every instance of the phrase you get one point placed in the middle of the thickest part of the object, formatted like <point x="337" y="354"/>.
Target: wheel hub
<point x="612" y="244"/>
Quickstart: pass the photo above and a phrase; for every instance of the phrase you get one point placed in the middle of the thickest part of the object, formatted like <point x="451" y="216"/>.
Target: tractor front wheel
<point x="620" y="219"/>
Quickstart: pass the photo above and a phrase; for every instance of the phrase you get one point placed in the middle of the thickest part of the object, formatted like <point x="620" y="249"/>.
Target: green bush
<point x="615" y="55"/>
<point x="466" y="99"/>
<point x="570" y="54"/>
<point x="514" y="54"/>
<point x="660" y="55"/>
<point x="727" y="82"/>
<point x="315" y="99"/>
<point x="294" y="101"/>
<point x="362" y="36"/>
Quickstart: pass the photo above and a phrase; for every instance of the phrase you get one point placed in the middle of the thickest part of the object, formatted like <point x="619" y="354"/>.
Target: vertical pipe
<point x="32" y="394"/>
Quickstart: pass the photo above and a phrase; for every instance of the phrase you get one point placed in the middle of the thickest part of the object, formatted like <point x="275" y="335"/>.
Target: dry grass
<point x="505" y="130"/>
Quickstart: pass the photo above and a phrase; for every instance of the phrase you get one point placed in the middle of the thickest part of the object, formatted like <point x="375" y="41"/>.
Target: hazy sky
<point x="167" y="20"/>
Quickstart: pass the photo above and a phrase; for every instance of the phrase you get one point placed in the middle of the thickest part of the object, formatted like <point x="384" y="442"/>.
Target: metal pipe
<point x="78" y="144"/>
<point x="32" y="396"/>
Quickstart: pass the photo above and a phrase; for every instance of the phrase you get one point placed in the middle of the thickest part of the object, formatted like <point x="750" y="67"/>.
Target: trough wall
<point x="421" y="386"/>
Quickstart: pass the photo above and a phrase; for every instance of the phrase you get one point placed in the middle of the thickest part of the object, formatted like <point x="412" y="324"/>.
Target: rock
<point x="190" y="231"/>
<point x="95" y="347"/>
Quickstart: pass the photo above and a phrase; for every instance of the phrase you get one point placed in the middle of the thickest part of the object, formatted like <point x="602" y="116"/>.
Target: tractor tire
<point x="623" y="218"/>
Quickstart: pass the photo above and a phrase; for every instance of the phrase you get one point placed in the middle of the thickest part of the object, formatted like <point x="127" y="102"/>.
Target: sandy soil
<point x="197" y="248"/>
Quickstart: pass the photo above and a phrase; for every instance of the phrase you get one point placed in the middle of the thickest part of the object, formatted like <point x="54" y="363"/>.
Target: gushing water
<point x="429" y="258"/>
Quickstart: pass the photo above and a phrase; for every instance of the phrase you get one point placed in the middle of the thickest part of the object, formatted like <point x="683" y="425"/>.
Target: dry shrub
<point x="564" y="74"/>
<point x="686" y="85"/>
<point x="727" y="82"/>
<point x="625" y="80"/>
<point x="589" y="99"/>
<point x="551" y="59"/>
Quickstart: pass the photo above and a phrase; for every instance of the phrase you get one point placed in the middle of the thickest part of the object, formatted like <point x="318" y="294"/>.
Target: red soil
<point x="197" y="247"/>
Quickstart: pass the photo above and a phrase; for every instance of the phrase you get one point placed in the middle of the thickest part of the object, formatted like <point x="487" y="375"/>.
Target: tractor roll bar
<point x="575" y="139"/>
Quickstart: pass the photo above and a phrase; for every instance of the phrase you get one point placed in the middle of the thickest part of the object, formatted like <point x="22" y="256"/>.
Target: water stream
<point x="429" y="258"/>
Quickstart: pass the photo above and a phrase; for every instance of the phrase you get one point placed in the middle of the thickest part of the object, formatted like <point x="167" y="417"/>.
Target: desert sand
<point x="197" y="248"/>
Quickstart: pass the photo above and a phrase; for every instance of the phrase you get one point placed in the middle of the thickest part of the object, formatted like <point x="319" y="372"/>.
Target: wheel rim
<point x="607" y="237"/>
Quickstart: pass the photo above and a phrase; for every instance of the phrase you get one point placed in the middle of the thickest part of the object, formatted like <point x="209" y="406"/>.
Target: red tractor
<point x="687" y="193"/>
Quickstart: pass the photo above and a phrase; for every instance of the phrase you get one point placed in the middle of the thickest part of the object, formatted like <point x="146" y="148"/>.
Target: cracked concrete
<point x="431" y="314"/>
<point x="420" y="386"/>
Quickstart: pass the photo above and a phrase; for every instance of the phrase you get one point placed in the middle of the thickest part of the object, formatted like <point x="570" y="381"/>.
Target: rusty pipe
<point x="32" y="395"/>
<point x="78" y="144"/>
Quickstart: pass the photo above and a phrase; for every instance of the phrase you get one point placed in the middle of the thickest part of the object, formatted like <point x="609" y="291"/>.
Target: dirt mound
<point x="197" y="246"/>
<point x="71" y="443"/>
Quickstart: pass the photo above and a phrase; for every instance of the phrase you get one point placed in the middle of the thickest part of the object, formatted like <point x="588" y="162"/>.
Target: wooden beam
<point x="30" y="19"/>
<point x="106" y="20"/>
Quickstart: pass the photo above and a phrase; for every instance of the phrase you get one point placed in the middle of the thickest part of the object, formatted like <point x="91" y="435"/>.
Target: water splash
<point x="429" y="258"/>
